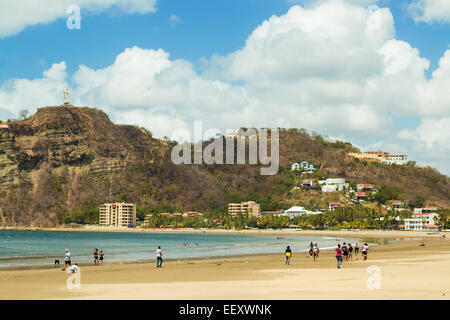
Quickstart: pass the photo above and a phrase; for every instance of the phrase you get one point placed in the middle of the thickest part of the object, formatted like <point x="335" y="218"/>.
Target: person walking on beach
<point x="345" y="251"/>
<point x="316" y="252"/>
<point x="67" y="259"/>
<point x="350" y="252"/>
<point x="101" y="257"/>
<point x="159" y="259"/>
<point x="95" y="256"/>
<point x="339" y="256"/>
<point x="356" y="251"/>
<point x="364" y="251"/>
<point x="288" y="254"/>
<point x="311" y="245"/>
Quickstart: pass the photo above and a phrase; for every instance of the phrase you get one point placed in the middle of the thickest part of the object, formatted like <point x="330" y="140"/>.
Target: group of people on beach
<point x="343" y="253"/>
<point x="98" y="260"/>
<point x="98" y="257"/>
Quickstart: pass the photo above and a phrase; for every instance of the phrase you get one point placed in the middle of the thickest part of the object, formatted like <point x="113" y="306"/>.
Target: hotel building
<point x="118" y="214"/>
<point x="250" y="207"/>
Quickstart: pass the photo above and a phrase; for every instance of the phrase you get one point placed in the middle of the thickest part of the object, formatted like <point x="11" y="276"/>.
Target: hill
<point x="63" y="161"/>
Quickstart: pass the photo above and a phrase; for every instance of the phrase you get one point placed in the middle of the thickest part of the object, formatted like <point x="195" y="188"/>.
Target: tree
<point x="23" y="114"/>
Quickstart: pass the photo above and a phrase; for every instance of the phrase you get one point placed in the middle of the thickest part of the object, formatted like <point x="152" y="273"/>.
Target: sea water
<point x="41" y="248"/>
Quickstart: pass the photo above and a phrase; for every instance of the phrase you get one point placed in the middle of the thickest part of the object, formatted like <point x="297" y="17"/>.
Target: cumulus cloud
<point x="17" y="15"/>
<point x="333" y="68"/>
<point x="18" y="94"/>
<point x="430" y="10"/>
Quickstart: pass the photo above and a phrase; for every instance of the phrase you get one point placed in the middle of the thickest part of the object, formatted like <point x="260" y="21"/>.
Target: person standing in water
<point x="339" y="255"/>
<point x="67" y="259"/>
<point x="159" y="259"/>
<point x="101" y="257"/>
<point x="288" y="254"/>
<point x="95" y="256"/>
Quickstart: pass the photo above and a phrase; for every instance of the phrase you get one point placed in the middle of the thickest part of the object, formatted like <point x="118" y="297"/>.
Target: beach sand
<point x="408" y="271"/>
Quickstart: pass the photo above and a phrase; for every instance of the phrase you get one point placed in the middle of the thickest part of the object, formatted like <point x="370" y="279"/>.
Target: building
<point x="333" y="205"/>
<point x="270" y="213"/>
<point x="422" y="221"/>
<point x="250" y="207"/>
<point x="365" y="187"/>
<point x="398" y="159"/>
<point x="303" y="166"/>
<point x="191" y="214"/>
<point x="118" y="214"/>
<point x="361" y="195"/>
<point x="298" y="211"/>
<point x="308" y="183"/>
<point x="397" y="204"/>
<point x="332" y="185"/>
<point x="381" y="156"/>
<point x="425" y="210"/>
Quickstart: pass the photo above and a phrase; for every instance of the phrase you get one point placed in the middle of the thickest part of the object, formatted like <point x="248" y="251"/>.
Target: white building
<point x="118" y="214"/>
<point x="298" y="211"/>
<point x="425" y="210"/>
<point x="332" y="185"/>
<point x="398" y="159"/>
<point x="422" y="221"/>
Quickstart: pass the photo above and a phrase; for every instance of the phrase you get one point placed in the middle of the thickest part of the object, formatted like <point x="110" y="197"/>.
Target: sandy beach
<point x="407" y="271"/>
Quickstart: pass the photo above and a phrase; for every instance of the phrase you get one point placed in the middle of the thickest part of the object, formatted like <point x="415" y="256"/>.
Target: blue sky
<point x="208" y="27"/>
<point x="212" y="50"/>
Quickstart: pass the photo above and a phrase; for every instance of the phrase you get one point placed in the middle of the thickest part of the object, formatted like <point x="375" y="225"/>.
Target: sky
<point x="375" y="73"/>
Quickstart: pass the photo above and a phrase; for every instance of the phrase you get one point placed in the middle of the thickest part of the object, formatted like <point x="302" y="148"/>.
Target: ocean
<point x="41" y="248"/>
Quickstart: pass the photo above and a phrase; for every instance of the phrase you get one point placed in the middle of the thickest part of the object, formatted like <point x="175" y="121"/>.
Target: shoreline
<point x="256" y="277"/>
<point x="400" y="234"/>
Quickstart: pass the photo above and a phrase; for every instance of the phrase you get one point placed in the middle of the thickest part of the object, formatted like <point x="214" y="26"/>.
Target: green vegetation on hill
<point x="59" y="164"/>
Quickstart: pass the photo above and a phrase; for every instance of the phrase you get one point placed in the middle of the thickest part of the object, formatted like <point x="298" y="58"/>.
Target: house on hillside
<point x="361" y="195"/>
<point x="333" y="205"/>
<point x="309" y="183"/>
<point x="398" y="159"/>
<point x="397" y="204"/>
<point x="425" y="210"/>
<point x="303" y="166"/>
<point x="332" y="185"/>
<point x="365" y="187"/>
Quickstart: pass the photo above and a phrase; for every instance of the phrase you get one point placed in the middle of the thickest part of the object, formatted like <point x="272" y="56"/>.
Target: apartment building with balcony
<point x="117" y="214"/>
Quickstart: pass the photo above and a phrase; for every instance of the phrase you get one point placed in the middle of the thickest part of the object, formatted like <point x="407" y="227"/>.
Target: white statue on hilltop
<point x="66" y="96"/>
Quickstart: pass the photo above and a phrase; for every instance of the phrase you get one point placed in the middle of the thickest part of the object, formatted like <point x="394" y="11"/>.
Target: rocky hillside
<point x="65" y="159"/>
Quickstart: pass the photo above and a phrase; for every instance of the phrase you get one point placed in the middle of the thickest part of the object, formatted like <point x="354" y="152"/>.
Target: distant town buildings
<point x="422" y="221"/>
<point x="118" y="214"/>
<point x="332" y="185"/>
<point x="250" y="207"/>
<point x="365" y="187"/>
<point x="382" y="157"/>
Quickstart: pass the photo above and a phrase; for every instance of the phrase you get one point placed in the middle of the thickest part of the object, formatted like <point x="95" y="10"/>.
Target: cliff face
<point x="65" y="158"/>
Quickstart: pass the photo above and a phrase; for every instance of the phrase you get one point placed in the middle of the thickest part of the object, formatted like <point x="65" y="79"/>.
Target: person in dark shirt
<point x="288" y="255"/>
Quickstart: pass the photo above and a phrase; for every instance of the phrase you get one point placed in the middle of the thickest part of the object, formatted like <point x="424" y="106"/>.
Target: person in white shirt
<point x="74" y="268"/>
<point x="364" y="251"/>
<point x="159" y="259"/>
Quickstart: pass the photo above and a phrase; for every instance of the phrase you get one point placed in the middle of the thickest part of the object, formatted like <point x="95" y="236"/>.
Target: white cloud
<point x="430" y="10"/>
<point x="18" y="14"/>
<point x="324" y="68"/>
<point x="174" y="20"/>
<point x="18" y="94"/>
